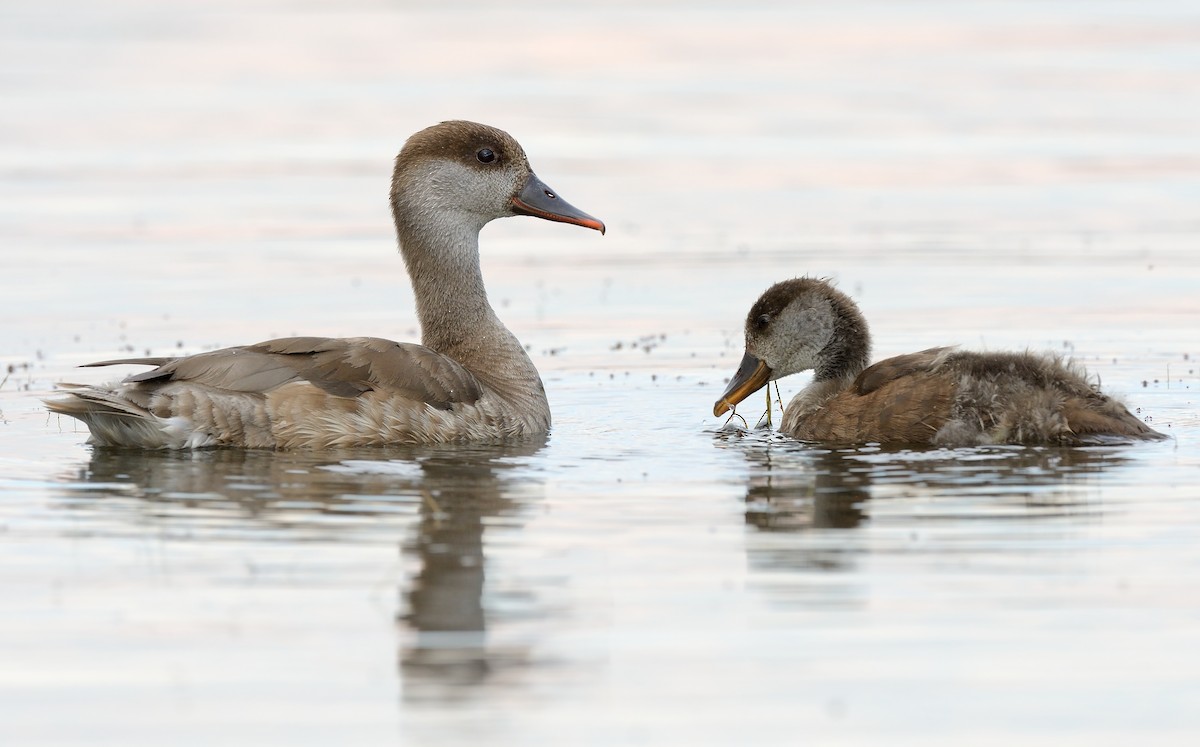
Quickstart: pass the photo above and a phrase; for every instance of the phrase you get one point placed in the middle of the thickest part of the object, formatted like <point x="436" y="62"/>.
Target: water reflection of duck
<point x="940" y="396"/>
<point x="348" y="496"/>
<point x="469" y="380"/>
<point x="447" y="647"/>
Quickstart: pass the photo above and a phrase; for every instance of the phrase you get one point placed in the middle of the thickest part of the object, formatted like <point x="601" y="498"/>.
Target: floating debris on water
<point x="645" y="343"/>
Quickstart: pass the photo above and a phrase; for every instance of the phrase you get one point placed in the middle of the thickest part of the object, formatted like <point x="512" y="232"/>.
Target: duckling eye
<point x="485" y="155"/>
<point x="761" y="323"/>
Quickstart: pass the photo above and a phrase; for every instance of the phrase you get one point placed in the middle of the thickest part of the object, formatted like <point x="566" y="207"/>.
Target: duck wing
<point x="951" y="398"/>
<point x="342" y="367"/>
<point x="894" y="369"/>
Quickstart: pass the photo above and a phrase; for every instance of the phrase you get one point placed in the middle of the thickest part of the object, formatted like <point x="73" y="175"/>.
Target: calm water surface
<point x="175" y="177"/>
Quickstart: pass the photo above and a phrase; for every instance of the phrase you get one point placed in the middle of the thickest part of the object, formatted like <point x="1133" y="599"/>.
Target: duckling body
<point x="469" y="380"/>
<point x="936" y="397"/>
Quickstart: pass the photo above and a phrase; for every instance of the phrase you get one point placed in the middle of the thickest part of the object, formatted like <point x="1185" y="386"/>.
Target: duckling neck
<point x="841" y="360"/>
<point x="840" y="365"/>
<point x="848" y="351"/>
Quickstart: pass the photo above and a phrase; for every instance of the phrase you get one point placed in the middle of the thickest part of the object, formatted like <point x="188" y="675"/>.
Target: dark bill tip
<point x="752" y="375"/>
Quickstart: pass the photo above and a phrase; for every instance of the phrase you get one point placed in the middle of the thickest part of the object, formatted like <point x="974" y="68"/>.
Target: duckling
<point x="469" y="380"/>
<point x="937" y="397"/>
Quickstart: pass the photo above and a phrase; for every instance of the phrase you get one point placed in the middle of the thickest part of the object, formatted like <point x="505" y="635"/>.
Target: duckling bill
<point x="936" y="397"/>
<point x="469" y="379"/>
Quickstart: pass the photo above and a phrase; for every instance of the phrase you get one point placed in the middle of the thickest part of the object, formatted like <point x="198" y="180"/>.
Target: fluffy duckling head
<point x="799" y="325"/>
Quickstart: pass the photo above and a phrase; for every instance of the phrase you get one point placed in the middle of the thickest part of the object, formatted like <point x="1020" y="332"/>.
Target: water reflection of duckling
<point x="940" y="396"/>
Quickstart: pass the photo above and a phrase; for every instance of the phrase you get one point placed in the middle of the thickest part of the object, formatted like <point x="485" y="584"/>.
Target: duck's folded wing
<point x="343" y="367"/>
<point x="893" y="369"/>
<point x="349" y="366"/>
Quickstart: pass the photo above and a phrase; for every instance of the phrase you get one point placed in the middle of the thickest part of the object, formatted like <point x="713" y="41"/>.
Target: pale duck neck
<point x="452" y="306"/>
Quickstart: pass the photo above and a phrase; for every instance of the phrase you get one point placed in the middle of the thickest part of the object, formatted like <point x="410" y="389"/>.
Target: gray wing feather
<point x="343" y="367"/>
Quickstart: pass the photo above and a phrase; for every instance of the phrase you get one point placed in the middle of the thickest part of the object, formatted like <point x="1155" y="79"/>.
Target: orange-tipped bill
<point x="752" y="375"/>
<point x="538" y="200"/>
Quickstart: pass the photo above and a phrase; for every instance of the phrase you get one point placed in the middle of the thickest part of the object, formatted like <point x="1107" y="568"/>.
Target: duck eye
<point x="485" y="155"/>
<point x="761" y="323"/>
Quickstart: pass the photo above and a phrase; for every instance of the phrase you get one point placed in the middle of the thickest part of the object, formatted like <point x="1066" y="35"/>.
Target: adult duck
<point x="937" y="397"/>
<point x="469" y="379"/>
